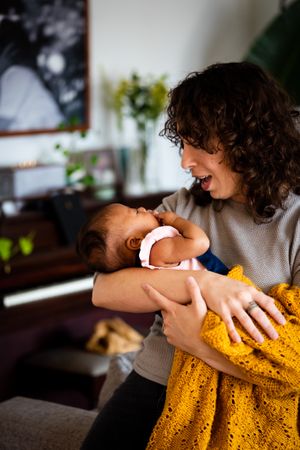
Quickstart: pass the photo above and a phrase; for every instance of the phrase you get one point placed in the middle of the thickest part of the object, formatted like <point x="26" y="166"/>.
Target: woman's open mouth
<point x="205" y="182"/>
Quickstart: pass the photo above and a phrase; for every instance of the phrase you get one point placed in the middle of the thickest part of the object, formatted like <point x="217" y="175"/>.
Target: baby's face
<point x="134" y="221"/>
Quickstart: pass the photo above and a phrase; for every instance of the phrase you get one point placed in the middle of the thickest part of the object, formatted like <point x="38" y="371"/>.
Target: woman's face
<point x="213" y="172"/>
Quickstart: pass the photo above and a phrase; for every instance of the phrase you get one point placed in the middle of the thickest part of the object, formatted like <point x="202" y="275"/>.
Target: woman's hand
<point x="182" y="323"/>
<point x="231" y="298"/>
<point x="182" y="327"/>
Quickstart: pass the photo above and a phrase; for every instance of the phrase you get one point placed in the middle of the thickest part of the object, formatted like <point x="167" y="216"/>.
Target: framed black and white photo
<point x="43" y="66"/>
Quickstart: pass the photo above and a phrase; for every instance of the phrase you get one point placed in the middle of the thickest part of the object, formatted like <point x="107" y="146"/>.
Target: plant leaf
<point x="5" y="249"/>
<point x="88" y="180"/>
<point x="26" y="245"/>
<point x="143" y="99"/>
<point x="94" y="159"/>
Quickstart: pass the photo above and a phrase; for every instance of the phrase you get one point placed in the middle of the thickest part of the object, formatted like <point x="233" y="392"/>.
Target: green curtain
<point x="277" y="49"/>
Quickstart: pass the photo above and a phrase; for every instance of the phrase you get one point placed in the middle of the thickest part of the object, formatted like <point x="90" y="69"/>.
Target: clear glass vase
<point x="151" y="166"/>
<point x="141" y="172"/>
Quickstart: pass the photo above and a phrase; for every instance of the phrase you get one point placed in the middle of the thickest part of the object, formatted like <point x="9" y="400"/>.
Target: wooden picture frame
<point x="44" y="67"/>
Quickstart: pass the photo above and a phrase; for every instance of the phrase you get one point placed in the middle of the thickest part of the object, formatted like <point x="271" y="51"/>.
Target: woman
<point x="237" y="133"/>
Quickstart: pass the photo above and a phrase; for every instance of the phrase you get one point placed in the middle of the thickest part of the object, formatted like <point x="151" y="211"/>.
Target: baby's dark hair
<point x="255" y="121"/>
<point x="91" y="244"/>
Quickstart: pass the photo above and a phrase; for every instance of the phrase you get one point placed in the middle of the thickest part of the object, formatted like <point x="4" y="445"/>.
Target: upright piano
<point x="45" y="300"/>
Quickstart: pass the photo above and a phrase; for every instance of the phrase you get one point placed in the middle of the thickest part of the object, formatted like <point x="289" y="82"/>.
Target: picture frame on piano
<point x="44" y="76"/>
<point x="102" y="169"/>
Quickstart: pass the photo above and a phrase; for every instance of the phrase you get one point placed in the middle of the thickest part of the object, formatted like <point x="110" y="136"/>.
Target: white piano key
<point x="50" y="291"/>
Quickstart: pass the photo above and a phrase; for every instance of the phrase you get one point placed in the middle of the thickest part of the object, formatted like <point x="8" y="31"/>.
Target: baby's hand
<point x="166" y="217"/>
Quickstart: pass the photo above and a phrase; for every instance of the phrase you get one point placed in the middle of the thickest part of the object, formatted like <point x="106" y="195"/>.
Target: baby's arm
<point x="191" y="242"/>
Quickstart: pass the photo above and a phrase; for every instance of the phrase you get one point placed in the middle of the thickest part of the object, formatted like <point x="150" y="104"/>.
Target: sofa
<point x="33" y="424"/>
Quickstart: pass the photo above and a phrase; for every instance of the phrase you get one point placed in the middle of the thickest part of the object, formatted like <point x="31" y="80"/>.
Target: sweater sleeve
<point x="274" y="364"/>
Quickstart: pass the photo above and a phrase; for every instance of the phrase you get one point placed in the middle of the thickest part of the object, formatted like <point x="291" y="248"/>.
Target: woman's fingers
<point x="231" y="298"/>
<point x="165" y="304"/>
<point x="162" y="302"/>
<point x="253" y="313"/>
<point x="233" y="334"/>
<point x="182" y="323"/>
<point x="260" y="317"/>
<point x="268" y="304"/>
<point x="249" y="326"/>
<point x="197" y="300"/>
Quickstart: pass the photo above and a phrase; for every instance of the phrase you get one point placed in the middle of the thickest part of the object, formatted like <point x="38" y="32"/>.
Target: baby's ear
<point x="133" y="243"/>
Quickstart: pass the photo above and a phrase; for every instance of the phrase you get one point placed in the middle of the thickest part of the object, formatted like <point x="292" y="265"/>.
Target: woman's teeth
<point x="205" y="181"/>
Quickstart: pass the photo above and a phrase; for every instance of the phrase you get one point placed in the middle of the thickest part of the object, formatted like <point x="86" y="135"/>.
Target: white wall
<point x="152" y="37"/>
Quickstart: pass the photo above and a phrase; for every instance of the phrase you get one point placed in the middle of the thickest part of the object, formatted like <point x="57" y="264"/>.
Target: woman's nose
<point x="141" y="209"/>
<point x="187" y="158"/>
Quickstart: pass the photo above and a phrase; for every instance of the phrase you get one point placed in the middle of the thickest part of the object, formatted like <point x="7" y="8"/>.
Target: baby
<point x="119" y="236"/>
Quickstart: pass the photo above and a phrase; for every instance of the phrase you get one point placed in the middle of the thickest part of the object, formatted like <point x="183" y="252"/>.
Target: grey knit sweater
<point x="269" y="253"/>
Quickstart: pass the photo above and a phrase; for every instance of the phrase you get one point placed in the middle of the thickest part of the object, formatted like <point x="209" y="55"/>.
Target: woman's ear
<point x="133" y="243"/>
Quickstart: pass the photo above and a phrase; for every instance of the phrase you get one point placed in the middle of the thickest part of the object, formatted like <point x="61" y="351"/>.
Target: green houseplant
<point x="77" y="172"/>
<point x="10" y="248"/>
<point x="143" y="99"/>
<point x="277" y="48"/>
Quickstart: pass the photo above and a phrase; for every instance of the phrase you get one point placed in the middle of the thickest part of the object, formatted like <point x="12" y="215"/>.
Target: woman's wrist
<point x="205" y="278"/>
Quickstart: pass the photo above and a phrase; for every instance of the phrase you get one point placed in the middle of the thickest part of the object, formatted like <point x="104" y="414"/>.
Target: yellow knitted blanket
<point x="206" y="409"/>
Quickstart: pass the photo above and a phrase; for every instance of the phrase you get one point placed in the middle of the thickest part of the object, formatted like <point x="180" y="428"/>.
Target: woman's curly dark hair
<point x="255" y="121"/>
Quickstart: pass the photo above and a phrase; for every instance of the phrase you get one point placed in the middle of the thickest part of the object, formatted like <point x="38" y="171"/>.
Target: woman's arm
<point x="122" y="291"/>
